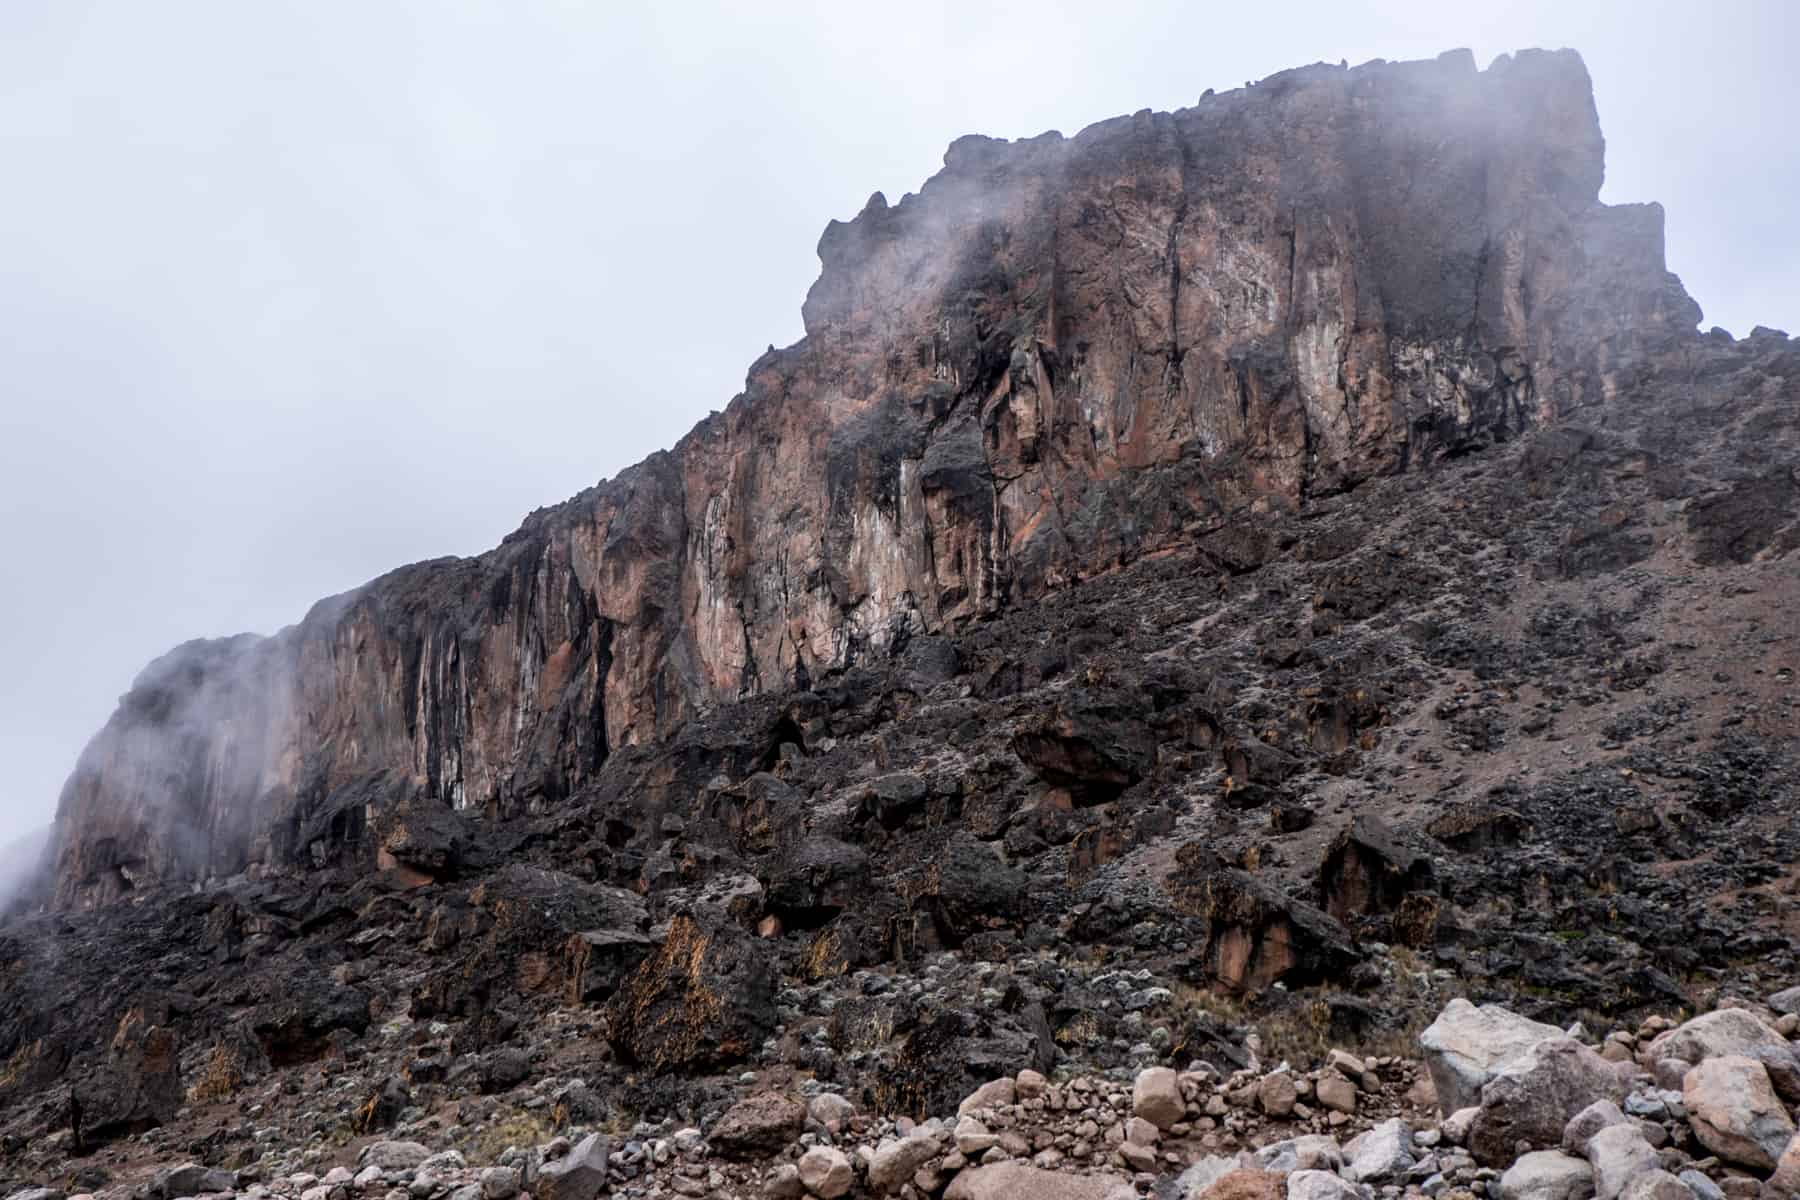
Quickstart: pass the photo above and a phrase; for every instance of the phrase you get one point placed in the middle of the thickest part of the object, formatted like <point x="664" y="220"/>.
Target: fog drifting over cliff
<point x="299" y="293"/>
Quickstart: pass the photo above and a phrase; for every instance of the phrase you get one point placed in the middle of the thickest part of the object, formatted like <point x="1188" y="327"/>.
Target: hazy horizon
<point x="299" y="296"/>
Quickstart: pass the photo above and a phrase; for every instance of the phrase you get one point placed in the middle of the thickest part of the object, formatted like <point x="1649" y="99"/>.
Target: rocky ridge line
<point x="1062" y="355"/>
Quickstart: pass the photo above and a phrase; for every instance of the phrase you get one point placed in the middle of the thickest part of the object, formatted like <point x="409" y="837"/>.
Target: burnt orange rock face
<point x="1061" y="355"/>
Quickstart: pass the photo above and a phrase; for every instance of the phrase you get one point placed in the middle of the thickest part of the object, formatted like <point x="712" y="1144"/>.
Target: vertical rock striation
<point x="1061" y="355"/>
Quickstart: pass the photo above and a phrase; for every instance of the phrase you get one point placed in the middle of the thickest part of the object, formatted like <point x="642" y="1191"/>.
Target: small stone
<point x="1029" y="1084"/>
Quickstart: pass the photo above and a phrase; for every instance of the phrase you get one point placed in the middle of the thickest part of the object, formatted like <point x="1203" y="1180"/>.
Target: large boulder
<point x="960" y="889"/>
<point x="1196" y="1182"/>
<point x="1094" y="743"/>
<point x="421" y="839"/>
<point x="1547" y="1175"/>
<point x="1321" y="1185"/>
<point x="1466" y="1045"/>
<point x="759" y="1126"/>
<point x="1156" y="1097"/>
<point x="1735" y="1113"/>
<point x="893" y="1163"/>
<point x="1381" y="1155"/>
<point x="1656" y="1185"/>
<point x="393" y="1156"/>
<point x="1732" y="1031"/>
<point x="1618" y="1154"/>
<point x="578" y="1175"/>
<point x="1256" y="935"/>
<point x="1533" y="1096"/>
<point x="136" y="1085"/>
<point x="1786" y="1179"/>
<point x="192" y="1179"/>
<point x="825" y="1172"/>
<point x="596" y="961"/>
<point x="1589" y="1121"/>
<point x="1019" y="1181"/>
<point x="706" y="998"/>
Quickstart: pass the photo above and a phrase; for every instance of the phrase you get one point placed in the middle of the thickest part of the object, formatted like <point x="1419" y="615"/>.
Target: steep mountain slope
<point x="1060" y="356"/>
<point x="1208" y="589"/>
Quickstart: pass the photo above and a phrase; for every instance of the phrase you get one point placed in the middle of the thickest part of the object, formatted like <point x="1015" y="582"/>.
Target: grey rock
<point x="1589" y="1121"/>
<point x="192" y="1179"/>
<point x="784" y="1183"/>
<point x="1734" y="1112"/>
<point x="1547" y="1175"/>
<point x="1534" y="1095"/>
<point x="499" y="1183"/>
<point x="826" y="1172"/>
<point x="992" y="1094"/>
<point x="1202" y="1175"/>
<point x="579" y="1176"/>
<point x="1733" y="1031"/>
<point x="1320" y="1185"/>
<point x="1466" y="1045"/>
<point x="1656" y="1185"/>
<point x="758" y="1126"/>
<point x="1156" y="1097"/>
<point x="1702" y="1187"/>
<point x="1618" y="1153"/>
<point x="1786" y="1001"/>
<point x="1310" y="1152"/>
<point x="893" y="1164"/>
<point x="1381" y="1155"/>
<point x="394" y="1156"/>
<point x="828" y="1108"/>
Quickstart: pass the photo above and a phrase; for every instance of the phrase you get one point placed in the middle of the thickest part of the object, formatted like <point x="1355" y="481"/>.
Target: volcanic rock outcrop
<point x="1209" y="599"/>
<point x="1061" y="356"/>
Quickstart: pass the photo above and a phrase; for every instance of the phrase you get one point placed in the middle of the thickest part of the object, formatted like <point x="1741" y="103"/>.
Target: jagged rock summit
<point x="1063" y="355"/>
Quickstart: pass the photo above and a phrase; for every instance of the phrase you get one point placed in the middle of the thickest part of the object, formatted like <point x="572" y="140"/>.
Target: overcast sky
<point x="293" y="293"/>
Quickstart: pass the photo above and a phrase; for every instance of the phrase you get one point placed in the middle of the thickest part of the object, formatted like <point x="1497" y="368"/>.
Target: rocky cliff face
<point x="1062" y="355"/>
